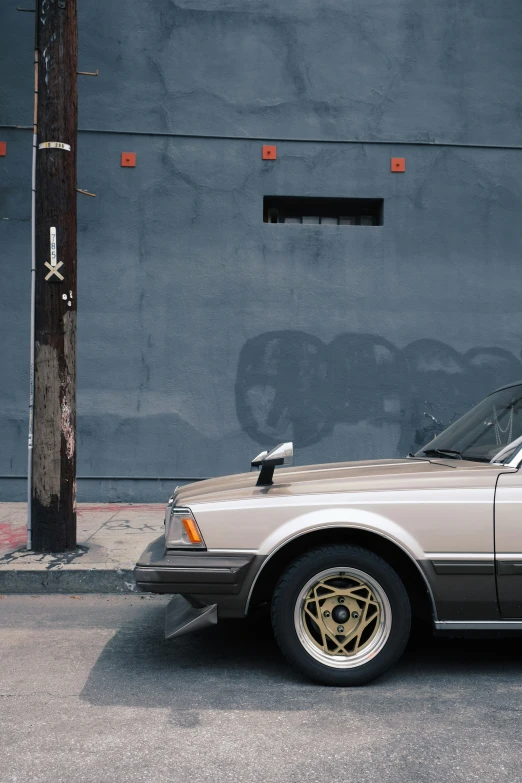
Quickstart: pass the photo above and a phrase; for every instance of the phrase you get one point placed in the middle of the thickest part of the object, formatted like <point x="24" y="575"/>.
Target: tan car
<point x="345" y="553"/>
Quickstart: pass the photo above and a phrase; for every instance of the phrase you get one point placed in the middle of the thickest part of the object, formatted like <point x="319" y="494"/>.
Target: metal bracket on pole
<point x="87" y="73"/>
<point x="86" y="193"/>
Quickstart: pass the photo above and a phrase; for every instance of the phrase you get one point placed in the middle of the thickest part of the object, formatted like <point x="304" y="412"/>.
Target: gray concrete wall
<point x="204" y="333"/>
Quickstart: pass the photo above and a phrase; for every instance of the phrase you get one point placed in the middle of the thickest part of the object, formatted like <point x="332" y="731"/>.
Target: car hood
<point x="369" y="475"/>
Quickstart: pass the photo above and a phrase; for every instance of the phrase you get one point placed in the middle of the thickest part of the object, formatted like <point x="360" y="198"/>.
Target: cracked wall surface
<point x="186" y="298"/>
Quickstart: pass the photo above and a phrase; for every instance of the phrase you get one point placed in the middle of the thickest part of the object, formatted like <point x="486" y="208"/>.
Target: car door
<point x="508" y="543"/>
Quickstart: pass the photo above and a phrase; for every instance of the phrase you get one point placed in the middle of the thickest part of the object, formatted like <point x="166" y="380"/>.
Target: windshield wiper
<point x="442" y="453"/>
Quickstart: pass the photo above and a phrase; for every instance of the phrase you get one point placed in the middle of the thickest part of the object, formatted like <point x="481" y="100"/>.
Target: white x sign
<point x="54" y="270"/>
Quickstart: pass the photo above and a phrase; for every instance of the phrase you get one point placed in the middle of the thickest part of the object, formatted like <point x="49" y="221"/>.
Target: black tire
<point x="394" y="635"/>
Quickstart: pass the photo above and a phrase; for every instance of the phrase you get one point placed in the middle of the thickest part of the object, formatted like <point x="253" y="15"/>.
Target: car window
<point x="485" y="430"/>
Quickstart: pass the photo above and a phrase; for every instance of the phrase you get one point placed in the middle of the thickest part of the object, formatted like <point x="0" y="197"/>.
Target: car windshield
<point x="484" y="431"/>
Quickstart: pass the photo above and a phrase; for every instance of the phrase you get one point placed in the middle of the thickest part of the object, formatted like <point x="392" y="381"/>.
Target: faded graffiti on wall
<point x="291" y="385"/>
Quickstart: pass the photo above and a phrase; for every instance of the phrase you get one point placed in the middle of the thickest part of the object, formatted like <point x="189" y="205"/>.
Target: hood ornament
<point x="268" y="460"/>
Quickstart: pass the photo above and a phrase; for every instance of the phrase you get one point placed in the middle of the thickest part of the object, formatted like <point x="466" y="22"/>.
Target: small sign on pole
<point x="54" y="266"/>
<point x="54" y="145"/>
<point x="52" y="231"/>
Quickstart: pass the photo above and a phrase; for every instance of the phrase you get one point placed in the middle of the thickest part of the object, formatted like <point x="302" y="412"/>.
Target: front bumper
<point x="202" y="574"/>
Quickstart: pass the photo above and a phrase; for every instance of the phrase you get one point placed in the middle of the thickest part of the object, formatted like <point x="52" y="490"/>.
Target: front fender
<point x="359" y="518"/>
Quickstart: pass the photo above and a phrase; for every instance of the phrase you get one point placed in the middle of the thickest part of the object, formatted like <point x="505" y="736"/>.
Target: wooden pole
<point x="53" y="495"/>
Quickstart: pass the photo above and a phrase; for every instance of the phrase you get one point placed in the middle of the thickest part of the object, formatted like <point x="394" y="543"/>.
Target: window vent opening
<point x="305" y="210"/>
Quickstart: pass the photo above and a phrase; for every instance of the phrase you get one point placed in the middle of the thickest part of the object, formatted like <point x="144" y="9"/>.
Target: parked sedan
<point x="345" y="553"/>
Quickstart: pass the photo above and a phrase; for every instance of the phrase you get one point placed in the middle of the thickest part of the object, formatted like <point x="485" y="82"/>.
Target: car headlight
<point x="181" y="530"/>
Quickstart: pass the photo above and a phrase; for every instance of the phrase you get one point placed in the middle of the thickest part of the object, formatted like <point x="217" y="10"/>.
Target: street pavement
<point x="111" y="537"/>
<point x="91" y="692"/>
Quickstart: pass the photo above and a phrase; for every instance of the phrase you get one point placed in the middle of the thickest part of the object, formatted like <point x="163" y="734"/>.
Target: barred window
<point x="306" y="210"/>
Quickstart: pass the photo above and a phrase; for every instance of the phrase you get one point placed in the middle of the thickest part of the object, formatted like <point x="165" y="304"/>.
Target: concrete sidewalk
<point x="111" y="537"/>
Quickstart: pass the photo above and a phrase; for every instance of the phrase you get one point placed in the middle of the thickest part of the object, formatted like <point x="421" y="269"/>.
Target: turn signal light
<point x="191" y="530"/>
<point x="181" y="529"/>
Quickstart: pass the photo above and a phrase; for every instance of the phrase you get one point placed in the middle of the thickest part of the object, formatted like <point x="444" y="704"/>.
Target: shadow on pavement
<point x="237" y="665"/>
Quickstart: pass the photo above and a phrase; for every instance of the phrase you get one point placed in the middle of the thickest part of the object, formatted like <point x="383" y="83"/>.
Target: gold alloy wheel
<point x="343" y="617"/>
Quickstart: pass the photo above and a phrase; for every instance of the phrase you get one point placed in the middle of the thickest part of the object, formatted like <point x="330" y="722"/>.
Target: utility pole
<point x="52" y="515"/>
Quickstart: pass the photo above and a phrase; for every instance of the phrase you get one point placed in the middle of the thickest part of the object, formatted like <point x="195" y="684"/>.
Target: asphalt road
<point x="90" y="691"/>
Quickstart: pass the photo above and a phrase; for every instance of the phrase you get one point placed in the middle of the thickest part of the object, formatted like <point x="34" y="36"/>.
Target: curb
<point x="67" y="580"/>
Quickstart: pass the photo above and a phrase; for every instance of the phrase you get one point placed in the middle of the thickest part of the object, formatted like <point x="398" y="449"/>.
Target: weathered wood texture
<point x="54" y="450"/>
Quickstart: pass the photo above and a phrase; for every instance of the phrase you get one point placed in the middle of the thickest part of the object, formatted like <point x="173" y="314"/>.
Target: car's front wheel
<point x="341" y="615"/>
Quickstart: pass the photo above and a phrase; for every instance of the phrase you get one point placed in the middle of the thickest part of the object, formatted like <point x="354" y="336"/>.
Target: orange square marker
<point x="398" y="164"/>
<point x="3" y="149"/>
<point x="269" y="152"/>
<point x="128" y="159"/>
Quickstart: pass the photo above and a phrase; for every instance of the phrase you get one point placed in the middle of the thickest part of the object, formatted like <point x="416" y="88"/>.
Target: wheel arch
<point x="417" y="586"/>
